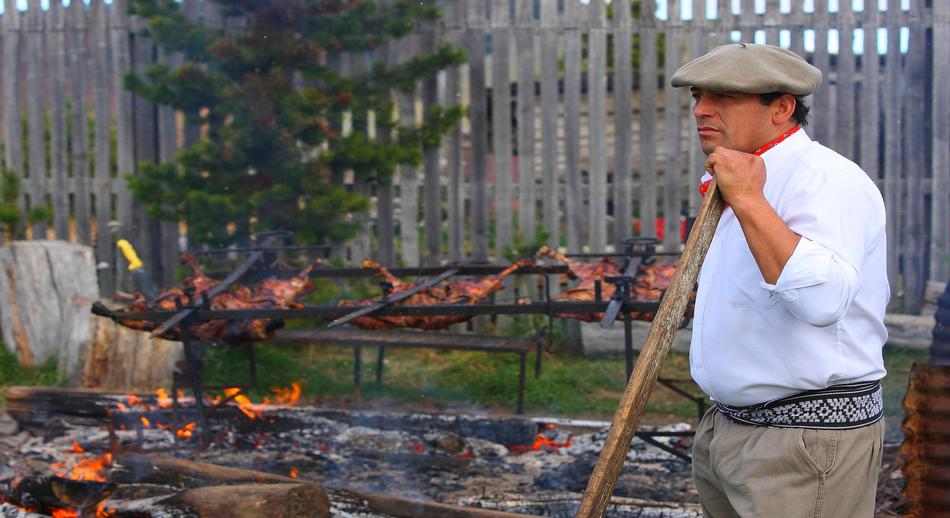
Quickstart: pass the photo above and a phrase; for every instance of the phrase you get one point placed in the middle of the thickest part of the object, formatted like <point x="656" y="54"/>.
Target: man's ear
<point x="783" y="109"/>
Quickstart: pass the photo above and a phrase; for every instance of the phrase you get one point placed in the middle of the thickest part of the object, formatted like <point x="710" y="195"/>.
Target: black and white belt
<point x="839" y="407"/>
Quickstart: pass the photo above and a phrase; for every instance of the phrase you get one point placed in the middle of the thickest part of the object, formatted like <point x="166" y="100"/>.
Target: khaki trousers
<point x="744" y="471"/>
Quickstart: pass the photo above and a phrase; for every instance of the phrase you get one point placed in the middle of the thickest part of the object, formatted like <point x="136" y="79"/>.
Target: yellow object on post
<point x="128" y="251"/>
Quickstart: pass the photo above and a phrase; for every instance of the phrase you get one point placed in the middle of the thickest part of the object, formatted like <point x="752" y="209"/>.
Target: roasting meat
<point x="450" y="292"/>
<point x="650" y="282"/>
<point x="271" y="293"/>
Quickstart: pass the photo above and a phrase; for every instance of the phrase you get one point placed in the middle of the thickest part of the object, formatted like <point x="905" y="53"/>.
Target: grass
<point x="12" y="373"/>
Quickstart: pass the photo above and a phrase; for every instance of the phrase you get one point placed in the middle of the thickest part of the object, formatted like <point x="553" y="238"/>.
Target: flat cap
<point x="750" y="68"/>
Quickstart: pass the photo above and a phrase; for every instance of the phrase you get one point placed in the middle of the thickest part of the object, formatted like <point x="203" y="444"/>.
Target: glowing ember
<point x="77" y="448"/>
<point x="65" y="513"/>
<point x="185" y="432"/>
<point x="145" y="422"/>
<point x="92" y="469"/>
<point x="133" y="400"/>
<point x="543" y="442"/>
<point x="294" y="472"/>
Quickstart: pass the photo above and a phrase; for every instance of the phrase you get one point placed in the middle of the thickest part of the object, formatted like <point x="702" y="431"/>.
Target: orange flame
<point x="294" y="472"/>
<point x="65" y="513"/>
<point x="541" y="441"/>
<point x="164" y="400"/>
<point x="133" y="400"/>
<point x="77" y="448"/>
<point x="285" y="396"/>
<point x="102" y="512"/>
<point x="145" y="422"/>
<point x="244" y="404"/>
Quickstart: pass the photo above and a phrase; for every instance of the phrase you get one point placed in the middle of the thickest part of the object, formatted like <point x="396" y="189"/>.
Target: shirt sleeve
<point x="839" y="219"/>
<point x="815" y="286"/>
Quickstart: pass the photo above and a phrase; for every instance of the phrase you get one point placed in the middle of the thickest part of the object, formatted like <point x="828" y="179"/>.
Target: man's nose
<point x="702" y="108"/>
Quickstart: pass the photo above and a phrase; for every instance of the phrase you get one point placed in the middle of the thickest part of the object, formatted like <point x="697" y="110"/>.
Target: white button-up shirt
<point x="822" y="322"/>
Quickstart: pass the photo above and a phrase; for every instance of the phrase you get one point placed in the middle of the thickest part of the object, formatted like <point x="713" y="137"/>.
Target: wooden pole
<point x="635" y="396"/>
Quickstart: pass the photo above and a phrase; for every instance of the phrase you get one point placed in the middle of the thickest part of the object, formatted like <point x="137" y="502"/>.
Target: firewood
<point x="255" y="501"/>
<point x="404" y="508"/>
<point x="146" y="464"/>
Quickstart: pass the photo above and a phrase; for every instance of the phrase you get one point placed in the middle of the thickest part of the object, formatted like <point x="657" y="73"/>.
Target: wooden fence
<point x="572" y="127"/>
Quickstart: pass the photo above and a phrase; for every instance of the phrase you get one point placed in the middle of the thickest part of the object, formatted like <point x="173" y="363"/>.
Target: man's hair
<point x="801" y="109"/>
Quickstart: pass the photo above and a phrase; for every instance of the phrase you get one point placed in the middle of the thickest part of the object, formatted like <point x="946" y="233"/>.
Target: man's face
<point x="732" y="120"/>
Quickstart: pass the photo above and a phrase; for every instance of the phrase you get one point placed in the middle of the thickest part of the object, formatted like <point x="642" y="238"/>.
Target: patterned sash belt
<point x="837" y="407"/>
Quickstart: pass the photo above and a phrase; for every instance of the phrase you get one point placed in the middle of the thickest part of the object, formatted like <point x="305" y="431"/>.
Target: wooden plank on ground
<point x="893" y="192"/>
<point x="673" y="168"/>
<point x="56" y="49"/>
<point x="79" y="67"/>
<point x="648" y="93"/>
<point x="13" y="134"/>
<point x="914" y="229"/>
<point x="526" y="36"/>
<point x="573" y="197"/>
<point x="822" y="105"/>
<point x="35" y="188"/>
<point x="597" y="125"/>
<point x="501" y="123"/>
<point x="478" y="122"/>
<point x="550" y="115"/>
<point x="940" y="147"/>
<point x="845" y="131"/>
<point x="102" y="72"/>
<point x="623" y="122"/>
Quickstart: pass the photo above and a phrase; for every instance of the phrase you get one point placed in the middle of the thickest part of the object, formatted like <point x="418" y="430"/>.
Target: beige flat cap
<point x="749" y="68"/>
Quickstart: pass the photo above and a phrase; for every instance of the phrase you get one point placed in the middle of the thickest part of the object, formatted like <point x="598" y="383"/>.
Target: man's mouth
<point x="706" y="131"/>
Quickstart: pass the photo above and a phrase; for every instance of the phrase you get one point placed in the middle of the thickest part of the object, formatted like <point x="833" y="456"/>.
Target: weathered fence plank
<point x="648" y="93"/>
<point x="501" y="123"/>
<point x="478" y="124"/>
<point x="844" y="127"/>
<point x="697" y="47"/>
<point x="821" y="59"/>
<point x="623" y="122"/>
<point x="673" y="170"/>
<point x="940" y="117"/>
<point x="35" y="187"/>
<point x="914" y="230"/>
<point x="56" y="50"/>
<point x="573" y="196"/>
<point x="597" y="125"/>
<point x="102" y="72"/>
<point x="79" y="155"/>
<point x="869" y="114"/>
<point x="550" y="114"/>
<point x="893" y="193"/>
<point x="526" y="35"/>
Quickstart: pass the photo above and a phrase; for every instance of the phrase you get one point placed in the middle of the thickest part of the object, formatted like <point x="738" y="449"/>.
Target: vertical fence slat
<point x="526" y="35"/>
<point x="773" y="19"/>
<point x="56" y="49"/>
<point x="550" y="113"/>
<point x="501" y="123"/>
<point x="697" y="47"/>
<point x="747" y="20"/>
<point x="892" y="146"/>
<point x="623" y="121"/>
<point x="432" y="206"/>
<point x="13" y="136"/>
<point x="870" y="129"/>
<point x="125" y="152"/>
<point x="797" y="21"/>
<point x="573" y="197"/>
<point x="915" y="131"/>
<point x="408" y="176"/>
<point x="597" y="125"/>
<point x="844" y="134"/>
<point x="478" y="121"/>
<point x="672" y="170"/>
<point x="167" y="147"/>
<point x="648" y="92"/>
<point x="453" y="95"/>
<point x="79" y="141"/>
<point x="105" y="252"/>
<point x="940" y="116"/>
<point x="821" y="60"/>
<point x="36" y="185"/>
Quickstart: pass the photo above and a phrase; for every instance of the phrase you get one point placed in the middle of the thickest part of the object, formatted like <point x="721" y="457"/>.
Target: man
<point x="788" y="329"/>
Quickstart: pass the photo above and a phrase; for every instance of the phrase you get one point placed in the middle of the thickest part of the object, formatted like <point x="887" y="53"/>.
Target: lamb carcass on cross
<point x="271" y="293"/>
<point x="449" y="292"/>
<point x="650" y="282"/>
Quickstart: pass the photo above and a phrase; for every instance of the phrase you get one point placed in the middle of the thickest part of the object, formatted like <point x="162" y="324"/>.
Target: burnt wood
<point x="658" y="342"/>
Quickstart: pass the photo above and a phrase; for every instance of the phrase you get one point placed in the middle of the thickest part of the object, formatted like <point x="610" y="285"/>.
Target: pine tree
<point x="272" y="153"/>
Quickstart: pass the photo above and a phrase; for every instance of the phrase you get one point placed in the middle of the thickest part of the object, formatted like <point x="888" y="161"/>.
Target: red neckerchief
<point x="704" y="184"/>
